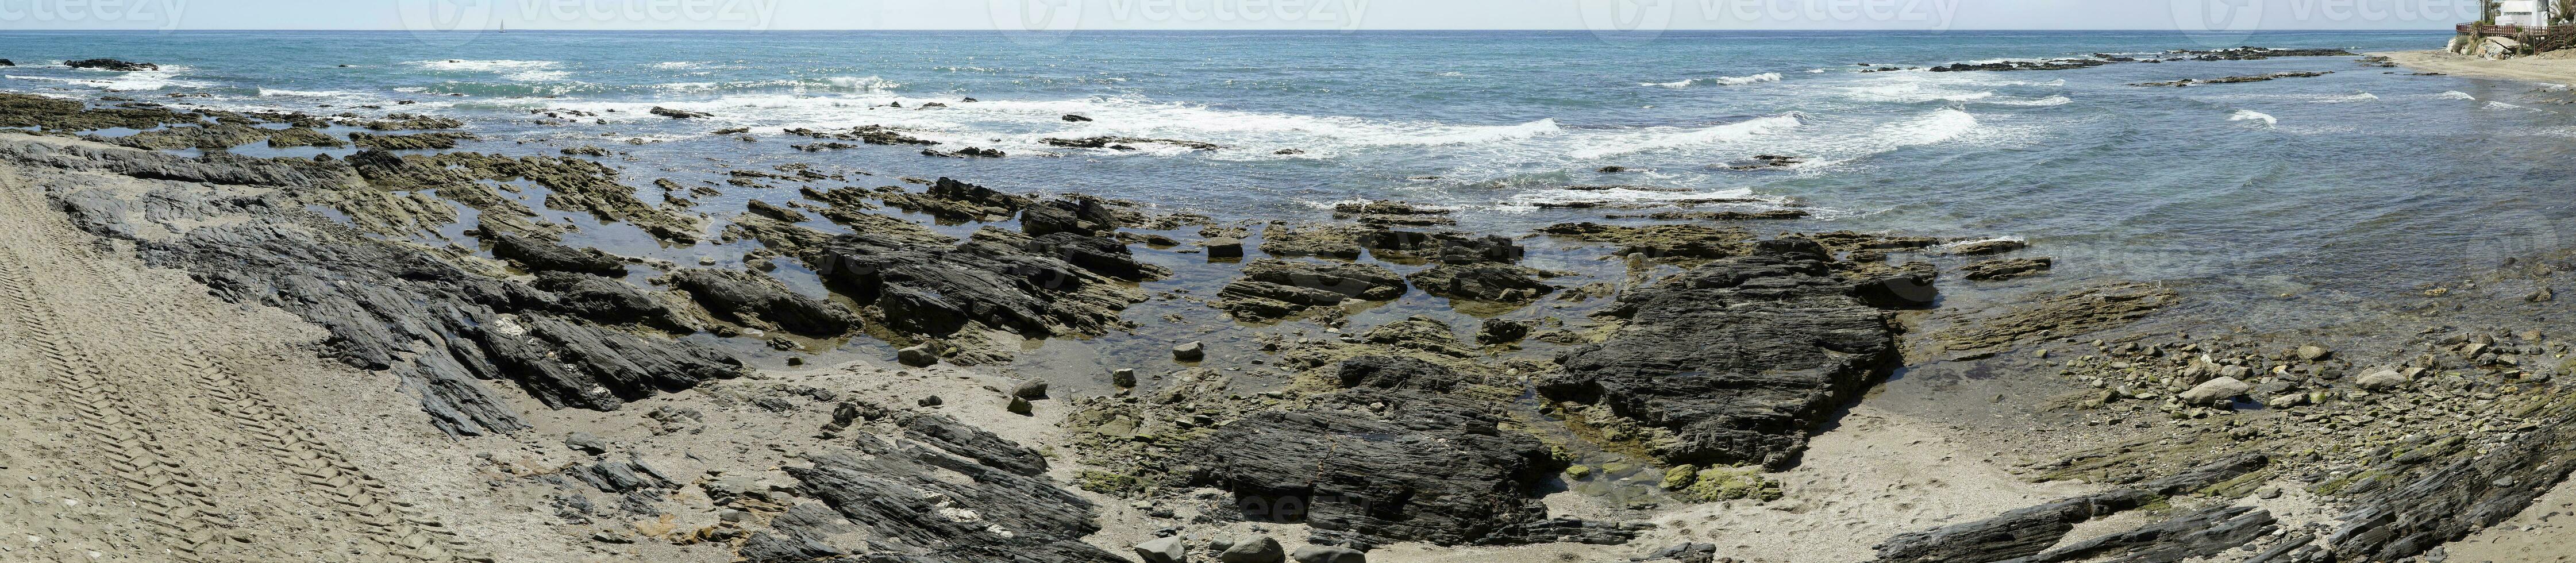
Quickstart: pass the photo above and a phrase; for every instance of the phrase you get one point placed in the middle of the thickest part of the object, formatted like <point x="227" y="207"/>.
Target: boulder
<point x="1033" y="389"/>
<point x="1163" y="550"/>
<point x="1328" y="554"/>
<point x="1191" y="352"/>
<point x="1080" y="215"/>
<point x="1222" y="247"/>
<point x="1503" y="331"/>
<point x="917" y="356"/>
<point x="1259" y="549"/>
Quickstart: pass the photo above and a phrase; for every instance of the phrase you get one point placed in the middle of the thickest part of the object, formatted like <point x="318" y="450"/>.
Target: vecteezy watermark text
<point x="161" y="14"/>
<point x="487" y="15"/>
<point x="1061" y="15"/>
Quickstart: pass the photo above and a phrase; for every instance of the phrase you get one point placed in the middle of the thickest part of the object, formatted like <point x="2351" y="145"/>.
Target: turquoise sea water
<point x="2361" y="183"/>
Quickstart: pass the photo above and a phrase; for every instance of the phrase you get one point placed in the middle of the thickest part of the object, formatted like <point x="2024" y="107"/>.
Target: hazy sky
<point x="1061" y="15"/>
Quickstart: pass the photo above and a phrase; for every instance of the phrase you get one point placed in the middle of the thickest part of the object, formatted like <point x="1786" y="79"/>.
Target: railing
<point x="2491" y="29"/>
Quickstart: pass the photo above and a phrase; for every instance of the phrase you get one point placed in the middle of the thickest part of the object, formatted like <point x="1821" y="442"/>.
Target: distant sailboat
<point x="505" y="27"/>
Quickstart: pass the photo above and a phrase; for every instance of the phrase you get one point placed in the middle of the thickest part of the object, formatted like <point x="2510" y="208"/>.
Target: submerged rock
<point x="111" y="64"/>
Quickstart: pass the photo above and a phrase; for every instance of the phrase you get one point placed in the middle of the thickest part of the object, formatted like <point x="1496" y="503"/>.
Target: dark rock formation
<point x="679" y="113"/>
<point x="111" y="64"/>
<point x="608" y="301"/>
<point x="992" y="280"/>
<point x="387" y="306"/>
<point x="420" y="141"/>
<point x="547" y="256"/>
<point x="1272" y="289"/>
<point x="2008" y="268"/>
<point x="1486" y="282"/>
<point x="993" y="506"/>
<point x="2066" y="314"/>
<point x="2029" y="531"/>
<point x="1081" y="215"/>
<point x="755" y="300"/>
<point x="1420" y="466"/>
<point x="954" y="200"/>
<point x="1446" y="247"/>
<point x="1125" y="143"/>
<point x="1734" y="361"/>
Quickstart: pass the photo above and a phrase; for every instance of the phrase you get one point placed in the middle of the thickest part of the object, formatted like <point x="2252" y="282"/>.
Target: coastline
<point x="2557" y="67"/>
<point x="629" y="407"/>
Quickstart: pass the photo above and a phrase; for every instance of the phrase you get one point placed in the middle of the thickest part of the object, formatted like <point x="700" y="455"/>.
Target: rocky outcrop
<point x="1734" y="361"/>
<point x="1079" y="215"/>
<point x="547" y="256"/>
<point x="1486" y="282"/>
<point x="1446" y="247"/>
<point x="1338" y="240"/>
<point x="1676" y="242"/>
<point x="990" y="280"/>
<point x="1127" y="143"/>
<point x="2027" y="532"/>
<point x="2065" y="314"/>
<point x="755" y="300"/>
<point x="111" y="64"/>
<point x="1392" y="457"/>
<point x="990" y="503"/>
<point x="953" y="200"/>
<point x="2007" y="268"/>
<point x="608" y="301"/>
<point x="1273" y="289"/>
<point x="442" y="330"/>
<point x="419" y="141"/>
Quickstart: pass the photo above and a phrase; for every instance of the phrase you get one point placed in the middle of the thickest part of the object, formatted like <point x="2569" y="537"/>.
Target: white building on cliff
<point x="2526" y="12"/>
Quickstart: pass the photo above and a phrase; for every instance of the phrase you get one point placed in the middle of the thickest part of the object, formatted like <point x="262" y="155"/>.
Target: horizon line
<point x="988" y="30"/>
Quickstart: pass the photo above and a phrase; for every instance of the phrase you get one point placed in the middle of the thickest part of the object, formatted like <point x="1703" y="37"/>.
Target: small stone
<point x="916" y="356"/>
<point x="1190" y="352"/>
<point x="2314" y="352"/>
<point x="2215" y="391"/>
<point x="1022" y="407"/>
<point x="1125" y="378"/>
<point x="1165" y="550"/>
<point x="930" y="401"/>
<point x="795" y="361"/>
<point x="586" y="443"/>
<point x="2382" y="380"/>
<point x="612" y="536"/>
<point x="1328" y="554"/>
<point x="1259" y="549"/>
<point x="2267" y="493"/>
<point x="1033" y="389"/>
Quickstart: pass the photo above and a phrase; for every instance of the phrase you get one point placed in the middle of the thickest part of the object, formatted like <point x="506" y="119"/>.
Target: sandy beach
<point x="2555" y="67"/>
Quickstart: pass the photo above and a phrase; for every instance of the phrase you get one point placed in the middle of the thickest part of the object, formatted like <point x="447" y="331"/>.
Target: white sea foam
<point x="1913" y="92"/>
<point x="521" y="71"/>
<point x="124" y="82"/>
<point x="2042" y="102"/>
<point x="869" y="84"/>
<point x="2361" y="97"/>
<point x="1659" y="138"/>
<point x="2502" y="105"/>
<point x="1721" y="81"/>
<point x="1624" y="196"/>
<point x="2457" y="95"/>
<point x="1815" y="71"/>
<point x="2251" y="115"/>
<point x="1940" y="125"/>
<point x="309" y="93"/>
<point x="677" y="65"/>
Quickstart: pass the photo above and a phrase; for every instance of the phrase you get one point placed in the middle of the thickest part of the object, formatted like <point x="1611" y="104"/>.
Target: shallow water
<point x="2350" y="186"/>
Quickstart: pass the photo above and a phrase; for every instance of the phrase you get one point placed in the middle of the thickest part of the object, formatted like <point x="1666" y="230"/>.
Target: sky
<point x="1642" y="16"/>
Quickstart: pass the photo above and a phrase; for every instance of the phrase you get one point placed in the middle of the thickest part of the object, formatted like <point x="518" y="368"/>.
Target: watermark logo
<point x="2217" y="22"/>
<point x="1035" y="22"/>
<point x="162" y="15"/>
<point x="1050" y="21"/>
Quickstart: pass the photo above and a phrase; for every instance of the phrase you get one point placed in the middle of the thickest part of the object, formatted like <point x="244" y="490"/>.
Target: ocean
<point x="2281" y="200"/>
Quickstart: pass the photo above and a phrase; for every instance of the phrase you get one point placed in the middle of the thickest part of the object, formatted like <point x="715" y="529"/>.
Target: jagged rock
<point x="981" y="512"/>
<point x="621" y="476"/>
<point x="1082" y="215"/>
<point x="755" y="300"/>
<point x="441" y="330"/>
<point x="1190" y="352"/>
<point x="1446" y="247"/>
<point x="610" y="301"/>
<point x="1389" y="460"/>
<point x="990" y="280"/>
<point x="1124" y="143"/>
<point x="1660" y="242"/>
<point x="2026" y="532"/>
<point x="1327" y="240"/>
<point x="955" y="200"/>
<point x="1734" y="361"/>
<point x="585" y="443"/>
<point x="1503" y="331"/>
<point x="1123" y="378"/>
<point x="1272" y="289"/>
<point x="423" y="141"/>
<point x="543" y="256"/>
<point x="1491" y="283"/>
<point x="1984" y="247"/>
<point x="2008" y="268"/>
<point x="1103" y="256"/>
<point x="773" y="211"/>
